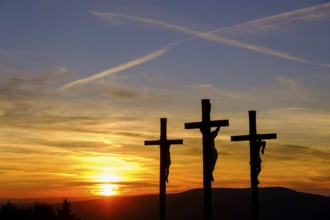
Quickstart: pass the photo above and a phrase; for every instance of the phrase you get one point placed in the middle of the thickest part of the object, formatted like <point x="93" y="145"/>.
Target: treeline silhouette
<point x="38" y="211"/>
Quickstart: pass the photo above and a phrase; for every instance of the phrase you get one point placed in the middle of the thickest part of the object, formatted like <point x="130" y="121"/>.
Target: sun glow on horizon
<point x="107" y="185"/>
<point x="108" y="189"/>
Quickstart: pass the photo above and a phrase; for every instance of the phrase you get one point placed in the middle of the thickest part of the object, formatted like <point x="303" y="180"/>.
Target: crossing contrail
<point x="315" y="12"/>
<point x="210" y="36"/>
<point x="321" y="11"/>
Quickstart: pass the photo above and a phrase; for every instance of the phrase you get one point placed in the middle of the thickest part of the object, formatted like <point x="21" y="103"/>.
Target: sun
<point x="108" y="189"/>
<point x="107" y="184"/>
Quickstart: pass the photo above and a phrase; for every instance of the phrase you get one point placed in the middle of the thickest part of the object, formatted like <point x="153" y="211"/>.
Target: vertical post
<point x="206" y="129"/>
<point x="162" y="177"/>
<point x="253" y="167"/>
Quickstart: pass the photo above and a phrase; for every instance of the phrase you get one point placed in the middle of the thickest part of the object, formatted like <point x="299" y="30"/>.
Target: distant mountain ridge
<point x="228" y="204"/>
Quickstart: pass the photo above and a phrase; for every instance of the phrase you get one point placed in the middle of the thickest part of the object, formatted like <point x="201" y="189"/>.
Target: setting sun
<point x="107" y="185"/>
<point x="108" y="189"/>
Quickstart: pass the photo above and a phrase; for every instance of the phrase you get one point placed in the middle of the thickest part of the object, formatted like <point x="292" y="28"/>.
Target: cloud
<point x="211" y="91"/>
<point x="121" y="67"/>
<point x="327" y="65"/>
<point x="210" y="36"/>
<point x="130" y="92"/>
<point x="298" y="159"/>
<point x="300" y="125"/>
<point x="293" y="152"/>
<point x="281" y="81"/>
<point x="26" y="94"/>
<point x="309" y="90"/>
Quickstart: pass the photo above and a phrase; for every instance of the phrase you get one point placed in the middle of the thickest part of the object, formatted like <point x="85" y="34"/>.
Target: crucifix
<point x="209" y="151"/>
<point x="165" y="162"/>
<point x="257" y="146"/>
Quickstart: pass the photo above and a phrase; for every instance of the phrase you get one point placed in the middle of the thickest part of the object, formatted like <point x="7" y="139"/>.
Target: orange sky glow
<point x="83" y="86"/>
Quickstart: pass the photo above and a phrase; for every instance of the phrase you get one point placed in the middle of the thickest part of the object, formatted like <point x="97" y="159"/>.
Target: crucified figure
<point x="214" y="152"/>
<point x="261" y="145"/>
<point x="167" y="161"/>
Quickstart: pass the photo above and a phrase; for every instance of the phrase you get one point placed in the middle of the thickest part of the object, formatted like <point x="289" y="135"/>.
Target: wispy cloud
<point x="121" y="67"/>
<point x="210" y="36"/>
<point x="210" y="90"/>
<point x="281" y="81"/>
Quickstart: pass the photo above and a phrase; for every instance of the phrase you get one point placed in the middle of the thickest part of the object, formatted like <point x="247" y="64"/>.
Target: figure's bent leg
<point x="166" y="174"/>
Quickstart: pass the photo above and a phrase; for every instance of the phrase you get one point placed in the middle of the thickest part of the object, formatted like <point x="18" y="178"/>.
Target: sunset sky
<point x="84" y="83"/>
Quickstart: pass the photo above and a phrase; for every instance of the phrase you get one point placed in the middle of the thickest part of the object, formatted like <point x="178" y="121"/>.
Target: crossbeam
<point x="205" y="127"/>
<point x="159" y="142"/>
<point x="215" y="123"/>
<point x="164" y="144"/>
<point x="258" y="136"/>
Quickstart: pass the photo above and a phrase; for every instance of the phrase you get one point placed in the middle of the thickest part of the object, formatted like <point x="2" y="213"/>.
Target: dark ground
<point x="228" y="204"/>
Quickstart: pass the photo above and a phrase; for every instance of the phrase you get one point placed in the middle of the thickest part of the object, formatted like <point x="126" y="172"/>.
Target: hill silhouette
<point x="229" y="204"/>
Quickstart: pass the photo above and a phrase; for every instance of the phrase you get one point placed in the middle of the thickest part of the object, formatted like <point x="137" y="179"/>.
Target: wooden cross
<point x="205" y="127"/>
<point x="255" y="161"/>
<point x="164" y="164"/>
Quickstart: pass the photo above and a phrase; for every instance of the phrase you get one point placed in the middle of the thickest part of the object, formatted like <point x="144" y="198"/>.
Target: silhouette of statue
<point x="261" y="145"/>
<point x="214" y="152"/>
<point x="167" y="161"/>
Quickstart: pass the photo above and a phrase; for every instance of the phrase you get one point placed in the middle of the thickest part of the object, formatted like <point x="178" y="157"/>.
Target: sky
<point x="84" y="83"/>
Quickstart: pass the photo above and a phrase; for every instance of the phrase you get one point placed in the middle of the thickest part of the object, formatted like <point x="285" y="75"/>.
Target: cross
<point x="205" y="127"/>
<point x="164" y="164"/>
<point x="255" y="161"/>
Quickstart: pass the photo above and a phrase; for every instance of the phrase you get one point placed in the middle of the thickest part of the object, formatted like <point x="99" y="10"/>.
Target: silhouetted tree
<point x="43" y="211"/>
<point x="39" y="211"/>
<point x="65" y="212"/>
<point x="9" y="211"/>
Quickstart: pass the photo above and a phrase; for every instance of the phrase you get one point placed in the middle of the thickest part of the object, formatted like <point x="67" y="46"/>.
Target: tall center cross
<point x="255" y="160"/>
<point x="164" y="164"/>
<point x="205" y="127"/>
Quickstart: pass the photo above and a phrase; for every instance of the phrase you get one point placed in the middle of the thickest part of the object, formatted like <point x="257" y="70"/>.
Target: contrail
<point x="316" y="12"/>
<point x="299" y="14"/>
<point x="118" y="68"/>
<point x="216" y="38"/>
